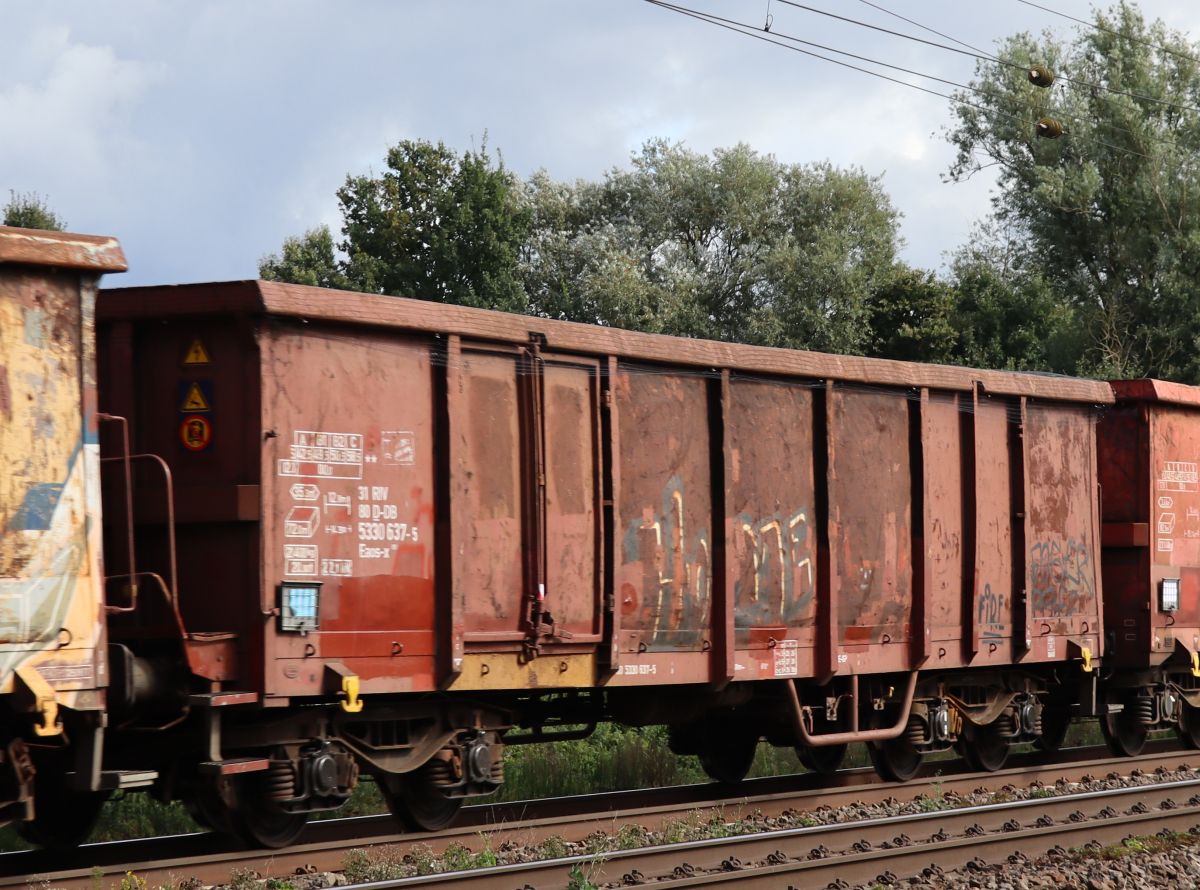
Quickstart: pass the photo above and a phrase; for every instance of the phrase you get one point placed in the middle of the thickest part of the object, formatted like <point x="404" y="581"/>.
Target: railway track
<point x="865" y="851"/>
<point x="212" y="858"/>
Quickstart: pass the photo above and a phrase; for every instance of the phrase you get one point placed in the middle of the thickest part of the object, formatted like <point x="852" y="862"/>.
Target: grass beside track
<point x="614" y="758"/>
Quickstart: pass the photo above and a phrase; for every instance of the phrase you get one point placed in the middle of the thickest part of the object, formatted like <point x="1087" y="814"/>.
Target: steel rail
<point x="212" y="857"/>
<point x="858" y="851"/>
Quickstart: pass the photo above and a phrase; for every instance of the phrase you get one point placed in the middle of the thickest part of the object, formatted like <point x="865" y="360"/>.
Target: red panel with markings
<point x="1150" y="469"/>
<point x="349" y="497"/>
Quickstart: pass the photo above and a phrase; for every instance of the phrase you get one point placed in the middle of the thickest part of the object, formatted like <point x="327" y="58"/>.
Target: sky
<point x="203" y="134"/>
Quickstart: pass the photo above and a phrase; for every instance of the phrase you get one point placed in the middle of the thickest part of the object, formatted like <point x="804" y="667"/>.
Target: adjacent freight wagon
<point x="53" y="669"/>
<point x="347" y="534"/>
<point x="1150" y="482"/>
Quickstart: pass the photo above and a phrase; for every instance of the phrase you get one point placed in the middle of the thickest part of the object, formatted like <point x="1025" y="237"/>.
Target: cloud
<point x="68" y="130"/>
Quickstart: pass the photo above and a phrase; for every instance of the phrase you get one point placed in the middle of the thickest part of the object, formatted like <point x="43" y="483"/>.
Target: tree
<point x="27" y="210"/>
<point x="912" y="318"/>
<point x="435" y="226"/>
<point x="732" y="246"/>
<point x="1007" y="314"/>
<point x="1105" y="214"/>
<point x="307" y="259"/>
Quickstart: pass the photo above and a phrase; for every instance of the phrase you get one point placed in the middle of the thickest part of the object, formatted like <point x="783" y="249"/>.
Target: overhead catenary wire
<point x="1149" y="43"/>
<point x="915" y="23"/>
<point x="962" y="86"/>
<point x="985" y="57"/>
<point x="923" y="27"/>
<point x="749" y="30"/>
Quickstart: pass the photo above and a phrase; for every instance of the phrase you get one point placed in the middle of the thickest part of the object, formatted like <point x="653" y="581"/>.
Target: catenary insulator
<point x="1049" y="128"/>
<point x="1041" y="76"/>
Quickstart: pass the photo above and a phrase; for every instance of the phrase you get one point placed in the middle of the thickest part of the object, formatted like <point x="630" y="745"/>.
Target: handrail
<point x="126" y="460"/>
<point x="173" y="590"/>
<point x="802" y="715"/>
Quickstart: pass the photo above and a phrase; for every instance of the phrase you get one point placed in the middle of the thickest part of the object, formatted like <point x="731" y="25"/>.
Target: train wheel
<point x="419" y="803"/>
<point x="260" y="821"/>
<point x="898" y="759"/>
<point x="63" y="817"/>
<point x="727" y="754"/>
<point x="1125" y="736"/>
<point x="825" y="760"/>
<point x="1056" y="720"/>
<point x="983" y="748"/>
<point x="206" y="807"/>
<point x="1189" y="726"/>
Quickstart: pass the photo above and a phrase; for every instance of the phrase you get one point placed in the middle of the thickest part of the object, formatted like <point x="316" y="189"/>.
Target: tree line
<point x="733" y="245"/>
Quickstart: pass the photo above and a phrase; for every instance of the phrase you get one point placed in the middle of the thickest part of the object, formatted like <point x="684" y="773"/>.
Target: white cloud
<point x="68" y="125"/>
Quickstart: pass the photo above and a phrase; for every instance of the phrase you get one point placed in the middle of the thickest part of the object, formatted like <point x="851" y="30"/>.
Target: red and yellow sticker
<point x="195" y="432"/>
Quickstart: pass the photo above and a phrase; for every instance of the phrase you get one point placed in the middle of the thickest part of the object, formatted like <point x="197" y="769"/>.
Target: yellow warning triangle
<point x="194" y="400"/>
<point x="196" y="354"/>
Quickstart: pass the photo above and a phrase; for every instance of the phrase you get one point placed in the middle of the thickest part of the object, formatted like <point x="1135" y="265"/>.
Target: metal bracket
<point x="45" y="703"/>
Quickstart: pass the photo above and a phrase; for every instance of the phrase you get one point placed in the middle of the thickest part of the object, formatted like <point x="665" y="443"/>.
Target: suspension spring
<point x="917" y="732"/>
<point x="1038" y="726"/>
<point x="440" y="772"/>
<point x="1006" y="725"/>
<point x="1144" y="710"/>
<point x="281" y="780"/>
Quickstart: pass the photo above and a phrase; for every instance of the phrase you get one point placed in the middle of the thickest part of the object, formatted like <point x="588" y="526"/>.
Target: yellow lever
<point x="44" y="701"/>
<point x="353" y="704"/>
<point x="1087" y="659"/>
<point x="1196" y="664"/>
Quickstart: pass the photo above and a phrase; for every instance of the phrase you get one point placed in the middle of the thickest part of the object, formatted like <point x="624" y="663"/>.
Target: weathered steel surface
<point x="870" y="515"/>
<point x="1063" y="548"/>
<point x="945" y="539"/>
<point x="772" y="568"/>
<point x="664" y="564"/>
<point x="572" y="469"/>
<point x="50" y="575"/>
<point x="61" y="250"/>
<point x="489" y="581"/>
<point x="993" y="603"/>
<point x="870" y="523"/>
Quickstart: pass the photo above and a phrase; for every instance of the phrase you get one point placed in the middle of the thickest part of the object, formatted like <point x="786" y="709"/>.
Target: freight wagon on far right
<point x="1149" y="463"/>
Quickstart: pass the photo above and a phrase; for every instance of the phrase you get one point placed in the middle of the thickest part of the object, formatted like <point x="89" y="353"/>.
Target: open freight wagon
<point x="546" y="524"/>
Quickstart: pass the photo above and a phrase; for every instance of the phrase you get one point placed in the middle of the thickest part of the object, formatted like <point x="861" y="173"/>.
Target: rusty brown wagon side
<point x="1149" y="455"/>
<point x="375" y="497"/>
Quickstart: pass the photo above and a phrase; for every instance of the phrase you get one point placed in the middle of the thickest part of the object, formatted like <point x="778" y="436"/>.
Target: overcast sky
<point x="202" y="134"/>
